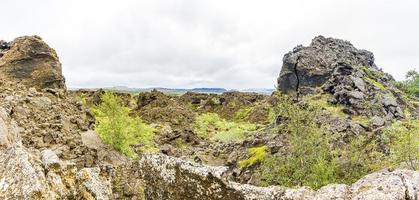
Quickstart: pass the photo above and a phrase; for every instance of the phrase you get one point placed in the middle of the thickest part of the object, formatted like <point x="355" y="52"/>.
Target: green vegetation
<point x="243" y="114"/>
<point x="320" y="101"/>
<point x="372" y="76"/>
<point x="117" y="128"/>
<point x="361" y="119"/>
<point x="411" y="85"/>
<point x="356" y="158"/>
<point x="257" y="154"/>
<point x="375" y="83"/>
<point x="313" y="159"/>
<point x="211" y="126"/>
<point x="403" y="139"/>
<point x="309" y="160"/>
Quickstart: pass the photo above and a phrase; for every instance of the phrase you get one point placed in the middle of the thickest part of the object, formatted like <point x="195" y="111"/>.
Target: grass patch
<point x="361" y="119"/>
<point x="243" y="114"/>
<point x="320" y="101"/>
<point x="257" y="154"/>
<point x="375" y="83"/>
<point x="372" y="77"/>
<point x="211" y="126"/>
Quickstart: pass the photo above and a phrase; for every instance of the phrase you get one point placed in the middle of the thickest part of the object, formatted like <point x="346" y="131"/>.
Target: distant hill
<point x="266" y="91"/>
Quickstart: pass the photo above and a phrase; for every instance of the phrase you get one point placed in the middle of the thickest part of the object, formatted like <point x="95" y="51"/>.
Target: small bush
<point x="117" y="128"/>
<point x="411" y="85"/>
<point x="356" y="158"/>
<point x="403" y="139"/>
<point x="211" y="126"/>
<point x="309" y="160"/>
<point x="313" y="157"/>
<point x="257" y="154"/>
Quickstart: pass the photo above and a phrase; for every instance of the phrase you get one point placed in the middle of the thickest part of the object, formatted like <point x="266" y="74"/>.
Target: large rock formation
<point x="305" y="68"/>
<point x="32" y="62"/>
<point x="344" y="75"/>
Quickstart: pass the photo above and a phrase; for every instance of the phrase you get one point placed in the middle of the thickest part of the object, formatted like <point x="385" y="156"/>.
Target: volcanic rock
<point x="32" y="62"/>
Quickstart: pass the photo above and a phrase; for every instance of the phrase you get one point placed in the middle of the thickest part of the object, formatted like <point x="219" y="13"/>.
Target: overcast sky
<point x="206" y="43"/>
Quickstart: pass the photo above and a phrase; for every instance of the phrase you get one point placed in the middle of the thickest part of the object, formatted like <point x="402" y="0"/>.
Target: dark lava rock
<point x="308" y="67"/>
<point x="335" y="67"/>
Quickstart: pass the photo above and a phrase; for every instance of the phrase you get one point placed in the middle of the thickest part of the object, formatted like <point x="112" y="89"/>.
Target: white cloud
<point x="197" y="43"/>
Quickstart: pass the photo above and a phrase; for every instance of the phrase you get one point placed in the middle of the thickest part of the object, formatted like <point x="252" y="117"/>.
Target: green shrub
<point x="308" y="160"/>
<point x="257" y="154"/>
<point x="356" y="158"/>
<point x="211" y="126"/>
<point x="314" y="157"/>
<point x="411" y="85"/>
<point x="403" y="138"/>
<point x="117" y="128"/>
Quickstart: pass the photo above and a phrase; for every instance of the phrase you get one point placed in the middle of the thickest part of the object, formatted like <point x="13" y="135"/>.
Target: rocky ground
<point x="49" y="148"/>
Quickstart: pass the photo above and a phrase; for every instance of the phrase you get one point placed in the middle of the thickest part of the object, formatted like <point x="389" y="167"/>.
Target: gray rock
<point x="356" y="94"/>
<point x="377" y="121"/>
<point x="387" y="185"/>
<point x="310" y="67"/>
<point x="92" y="185"/>
<point x="333" y="191"/>
<point x="50" y="159"/>
<point x="389" y="101"/>
<point x="359" y="83"/>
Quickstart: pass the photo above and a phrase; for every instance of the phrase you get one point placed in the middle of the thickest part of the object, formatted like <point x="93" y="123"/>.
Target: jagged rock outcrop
<point x="32" y="62"/>
<point x="173" y="178"/>
<point x="346" y="76"/>
<point x="305" y="68"/>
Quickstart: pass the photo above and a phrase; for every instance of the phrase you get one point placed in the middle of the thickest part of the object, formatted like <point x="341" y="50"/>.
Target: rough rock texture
<point x="32" y="62"/>
<point x="173" y="178"/>
<point x="308" y="67"/>
<point x="346" y="76"/>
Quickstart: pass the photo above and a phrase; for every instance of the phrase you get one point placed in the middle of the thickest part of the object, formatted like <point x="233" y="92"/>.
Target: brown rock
<point x="33" y="63"/>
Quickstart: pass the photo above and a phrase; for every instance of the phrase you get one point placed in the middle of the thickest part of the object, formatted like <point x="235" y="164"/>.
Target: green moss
<point x="361" y="119"/>
<point x="320" y="101"/>
<point x="257" y="154"/>
<point x="371" y="73"/>
<point x="372" y="76"/>
<point x="271" y="115"/>
<point x="243" y="114"/>
<point x="211" y="126"/>
<point x="375" y="83"/>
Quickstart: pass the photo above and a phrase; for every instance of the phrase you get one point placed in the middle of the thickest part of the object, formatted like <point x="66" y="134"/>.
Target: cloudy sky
<point x="206" y="43"/>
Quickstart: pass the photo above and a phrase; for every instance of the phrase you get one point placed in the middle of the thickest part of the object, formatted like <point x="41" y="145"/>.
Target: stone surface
<point x="311" y="66"/>
<point x="92" y="185"/>
<point x="400" y="184"/>
<point x="31" y="62"/>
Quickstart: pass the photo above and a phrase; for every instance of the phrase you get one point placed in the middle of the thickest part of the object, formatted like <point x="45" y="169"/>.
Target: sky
<point x="235" y="44"/>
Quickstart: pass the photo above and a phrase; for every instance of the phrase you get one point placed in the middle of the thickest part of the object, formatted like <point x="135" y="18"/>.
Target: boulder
<point x="30" y="61"/>
<point x="305" y="68"/>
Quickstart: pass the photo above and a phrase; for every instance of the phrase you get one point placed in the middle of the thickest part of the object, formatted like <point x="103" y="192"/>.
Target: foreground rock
<point x="172" y="178"/>
<point x="32" y="62"/>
